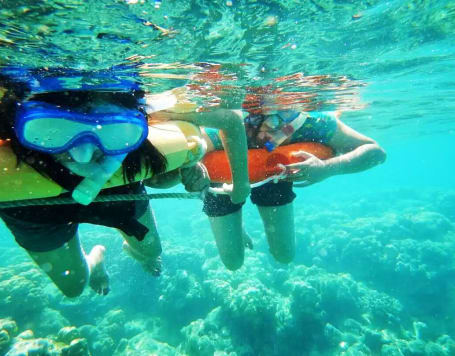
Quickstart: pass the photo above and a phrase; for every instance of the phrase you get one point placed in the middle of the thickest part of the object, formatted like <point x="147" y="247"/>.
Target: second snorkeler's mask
<point x="279" y="125"/>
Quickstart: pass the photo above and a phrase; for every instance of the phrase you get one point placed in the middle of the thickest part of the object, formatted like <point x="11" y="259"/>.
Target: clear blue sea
<point x="375" y="260"/>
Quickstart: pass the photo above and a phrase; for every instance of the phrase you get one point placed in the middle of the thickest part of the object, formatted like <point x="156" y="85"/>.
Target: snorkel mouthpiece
<point x="88" y="189"/>
<point x="269" y="146"/>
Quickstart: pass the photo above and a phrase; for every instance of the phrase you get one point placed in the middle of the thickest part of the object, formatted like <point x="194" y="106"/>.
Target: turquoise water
<point x="375" y="263"/>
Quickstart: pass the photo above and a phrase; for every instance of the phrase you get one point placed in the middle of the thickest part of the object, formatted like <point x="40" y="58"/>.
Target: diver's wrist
<point x="333" y="166"/>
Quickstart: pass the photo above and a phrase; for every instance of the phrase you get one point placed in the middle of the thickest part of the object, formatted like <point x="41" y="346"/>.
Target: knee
<point x="232" y="262"/>
<point x="153" y="251"/>
<point x="284" y="256"/>
<point x="73" y="291"/>
<point x="72" y="288"/>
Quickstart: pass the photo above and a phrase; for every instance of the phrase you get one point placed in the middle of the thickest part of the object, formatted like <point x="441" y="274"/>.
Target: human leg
<point x="228" y="234"/>
<point x="226" y="222"/>
<point x="279" y="229"/>
<point x="70" y="269"/>
<point x="147" y="252"/>
<point x="274" y="201"/>
<point x="56" y="249"/>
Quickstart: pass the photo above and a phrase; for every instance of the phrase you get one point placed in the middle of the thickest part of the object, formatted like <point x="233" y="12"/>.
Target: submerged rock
<point x="77" y="347"/>
<point x="49" y="322"/>
<point x="9" y="326"/>
<point x="8" y="329"/>
<point x="26" y="335"/>
<point x="145" y="345"/>
<point x="206" y="337"/>
<point x="21" y="294"/>
<point x="426" y="225"/>
<point x="68" y="334"/>
<point x="34" y="347"/>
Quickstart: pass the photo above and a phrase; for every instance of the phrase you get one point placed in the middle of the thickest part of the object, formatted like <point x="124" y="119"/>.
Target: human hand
<point x="197" y="148"/>
<point x="164" y="180"/>
<point x="309" y="171"/>
<point x="195" y="178"/>
<point x="237" y="195"/>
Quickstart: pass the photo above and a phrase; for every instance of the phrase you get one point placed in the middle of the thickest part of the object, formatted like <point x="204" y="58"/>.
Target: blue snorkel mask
<point x="114" y="130"/>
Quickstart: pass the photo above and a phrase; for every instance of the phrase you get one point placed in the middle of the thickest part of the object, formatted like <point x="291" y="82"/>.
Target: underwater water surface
<point x="375" y="262"/>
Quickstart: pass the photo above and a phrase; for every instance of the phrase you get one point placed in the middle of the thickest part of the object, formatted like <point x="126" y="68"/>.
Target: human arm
<point x="194" y="178"/>
<point x="230" y="124"/>
<point x="164" y="180"/>
<point x="355" y="153"/>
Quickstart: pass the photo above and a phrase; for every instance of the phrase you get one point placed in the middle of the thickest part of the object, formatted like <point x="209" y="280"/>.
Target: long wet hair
<point x="145" y="157"/>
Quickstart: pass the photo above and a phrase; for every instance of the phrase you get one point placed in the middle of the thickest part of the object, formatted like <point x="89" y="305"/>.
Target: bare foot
<point x="99" y="279"/>
<point x="151" y="265"/>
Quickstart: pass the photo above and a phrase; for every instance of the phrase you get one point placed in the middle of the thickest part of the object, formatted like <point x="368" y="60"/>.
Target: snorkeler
<point x="78" y="138"/>
<point x="354" y="152"/>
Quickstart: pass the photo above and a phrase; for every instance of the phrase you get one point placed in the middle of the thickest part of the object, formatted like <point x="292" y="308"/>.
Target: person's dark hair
<point x="145" y="157"/>
<point x="11" y="93"/>
<point x="81" y="99"/>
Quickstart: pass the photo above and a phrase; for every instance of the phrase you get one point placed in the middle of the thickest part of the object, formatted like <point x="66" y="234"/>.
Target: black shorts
<point x="45" y="228"/>
<point x="270" y="194"/>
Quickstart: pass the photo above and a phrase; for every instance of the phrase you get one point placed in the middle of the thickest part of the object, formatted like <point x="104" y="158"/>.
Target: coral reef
<point x="67" y="343"/>
<point x="364" y="284"/>
<point x="8" y="330"/>
<point x="144" y="344"/>
<point x="21" y="292"/>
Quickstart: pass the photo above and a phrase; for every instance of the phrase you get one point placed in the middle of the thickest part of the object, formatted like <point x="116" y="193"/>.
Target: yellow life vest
<point x="23" y="182"/>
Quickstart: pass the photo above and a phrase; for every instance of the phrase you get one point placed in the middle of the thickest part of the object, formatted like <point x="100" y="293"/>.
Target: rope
<point x="98" y="199"/>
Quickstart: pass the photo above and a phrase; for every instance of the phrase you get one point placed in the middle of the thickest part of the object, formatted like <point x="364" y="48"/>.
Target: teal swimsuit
<point x="318" y="127"/>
